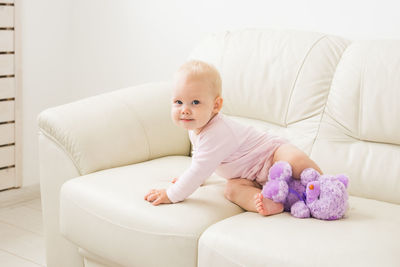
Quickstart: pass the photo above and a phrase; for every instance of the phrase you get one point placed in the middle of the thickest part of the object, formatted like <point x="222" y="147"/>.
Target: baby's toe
<point x="260" y="204"/>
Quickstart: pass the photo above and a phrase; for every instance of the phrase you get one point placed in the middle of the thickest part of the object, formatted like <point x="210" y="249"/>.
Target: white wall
<point x="77" y="48"/>
<point x="45" y="71"/>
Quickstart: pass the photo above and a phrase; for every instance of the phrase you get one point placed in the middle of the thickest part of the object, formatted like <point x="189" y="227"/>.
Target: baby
<point x="234" y="151"/>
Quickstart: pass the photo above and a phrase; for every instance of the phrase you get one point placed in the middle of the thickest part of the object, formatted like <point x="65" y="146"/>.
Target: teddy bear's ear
<point x="344" y="179"/>
<point x="309" y="175"/>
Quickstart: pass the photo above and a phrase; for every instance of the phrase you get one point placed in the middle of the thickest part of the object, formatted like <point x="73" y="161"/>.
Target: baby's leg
<point x="296" y="158"/>
<point x="247" y="195"/>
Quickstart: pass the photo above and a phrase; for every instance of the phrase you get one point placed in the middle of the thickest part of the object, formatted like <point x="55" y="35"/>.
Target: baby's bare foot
<point x="260" y="205"/>
<point x="266" y="206"/>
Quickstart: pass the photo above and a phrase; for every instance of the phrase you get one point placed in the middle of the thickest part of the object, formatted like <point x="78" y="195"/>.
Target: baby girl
<point x="234" y="151"/>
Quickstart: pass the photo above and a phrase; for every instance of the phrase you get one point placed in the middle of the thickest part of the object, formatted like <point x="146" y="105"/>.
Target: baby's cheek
<point x="175" y="115"/>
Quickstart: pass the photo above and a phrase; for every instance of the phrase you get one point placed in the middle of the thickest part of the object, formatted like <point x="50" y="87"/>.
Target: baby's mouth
<point x="186" y="120"/>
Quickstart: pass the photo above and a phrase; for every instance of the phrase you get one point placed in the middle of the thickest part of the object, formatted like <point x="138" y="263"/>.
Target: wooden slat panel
<point x="6" y="41"/>
<point x="7" y="88"/>
<point x="7" y="178"/>
<point x="6" y="111"/>
<point x="6" y="16"/>
<point x="7" y="156"/>
<point x="6" y="64"/>
<point x="7" y="133"/>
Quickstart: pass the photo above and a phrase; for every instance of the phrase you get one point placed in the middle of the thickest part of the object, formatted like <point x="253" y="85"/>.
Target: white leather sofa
<point x="336" y="99"/>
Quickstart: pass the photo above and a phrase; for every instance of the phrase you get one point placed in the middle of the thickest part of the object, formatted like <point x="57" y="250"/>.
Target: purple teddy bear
<point x="320" y="196"/>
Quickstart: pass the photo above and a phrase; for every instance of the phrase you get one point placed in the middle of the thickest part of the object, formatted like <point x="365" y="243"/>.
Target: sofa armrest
<point x="123" y="127"/>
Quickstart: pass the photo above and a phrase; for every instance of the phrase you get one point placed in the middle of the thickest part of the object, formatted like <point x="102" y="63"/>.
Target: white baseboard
<point x="17" y="195"/>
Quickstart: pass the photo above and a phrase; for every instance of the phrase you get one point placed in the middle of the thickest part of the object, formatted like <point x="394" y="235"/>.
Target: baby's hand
<point x="157" y="196"/>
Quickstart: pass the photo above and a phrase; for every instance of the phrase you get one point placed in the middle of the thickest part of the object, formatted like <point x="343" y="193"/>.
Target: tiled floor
<point x="21" y="231"/>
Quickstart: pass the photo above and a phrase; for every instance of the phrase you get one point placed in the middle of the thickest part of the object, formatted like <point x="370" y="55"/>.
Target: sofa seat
<point x="105" y="213"/>
<point x="368" y="236"/>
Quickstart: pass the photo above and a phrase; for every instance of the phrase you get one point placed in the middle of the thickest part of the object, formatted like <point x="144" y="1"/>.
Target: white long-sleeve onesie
<point x="230" y="149"/>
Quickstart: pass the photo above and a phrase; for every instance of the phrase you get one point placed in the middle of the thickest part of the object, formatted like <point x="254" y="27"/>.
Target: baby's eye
<point x="196" y="102"/>
<point x="178" y="102"/>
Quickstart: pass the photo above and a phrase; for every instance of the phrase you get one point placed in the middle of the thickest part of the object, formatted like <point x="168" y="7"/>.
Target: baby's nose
<point x="185" y="110"/>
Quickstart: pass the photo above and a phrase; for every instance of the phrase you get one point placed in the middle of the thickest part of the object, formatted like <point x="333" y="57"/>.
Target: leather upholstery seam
<point x="326" y="101"/>
<point x="141" y="125"/>
<point x="298" y="74"/>
<point x="360" y="100"/>
<point x="63" y="148"/>
<point x="219" y="253"/>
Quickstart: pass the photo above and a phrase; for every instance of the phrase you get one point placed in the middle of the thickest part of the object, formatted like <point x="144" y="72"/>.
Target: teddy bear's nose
<point x="311" y="187"/>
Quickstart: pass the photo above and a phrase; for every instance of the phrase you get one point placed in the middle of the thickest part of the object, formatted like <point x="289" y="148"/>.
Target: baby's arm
<point x="203" y="165"/>
<point x="213" y="147"/>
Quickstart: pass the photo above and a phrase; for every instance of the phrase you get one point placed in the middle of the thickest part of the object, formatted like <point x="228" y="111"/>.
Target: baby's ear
<point x="218" y="103"/>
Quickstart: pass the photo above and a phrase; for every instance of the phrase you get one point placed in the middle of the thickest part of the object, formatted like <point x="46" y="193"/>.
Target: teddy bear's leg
<point x="281" y="170"/>
<point x="277" y="187"/>
<point x="275" y="190"/>
<point x="300" y="210"/>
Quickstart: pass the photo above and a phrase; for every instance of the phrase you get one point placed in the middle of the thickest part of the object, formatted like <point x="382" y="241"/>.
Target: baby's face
<point x="194" y="103"/>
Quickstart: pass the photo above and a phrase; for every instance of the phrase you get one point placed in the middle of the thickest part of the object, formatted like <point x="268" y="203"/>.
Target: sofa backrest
<point x="360" y="128"/>
<point x="275" y="79"/>
<point x="337" y="101"/>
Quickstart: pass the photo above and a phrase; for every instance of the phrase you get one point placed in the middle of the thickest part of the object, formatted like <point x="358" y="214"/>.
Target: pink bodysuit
<point x="231" y="150"/>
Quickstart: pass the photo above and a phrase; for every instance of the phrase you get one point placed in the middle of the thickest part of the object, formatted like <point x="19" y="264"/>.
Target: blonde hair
<point x="202" y="70"/>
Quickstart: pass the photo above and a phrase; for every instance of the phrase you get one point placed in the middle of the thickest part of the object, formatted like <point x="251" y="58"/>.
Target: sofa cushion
<point x="368" y="236"/>
<point x="106" y="214"/>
